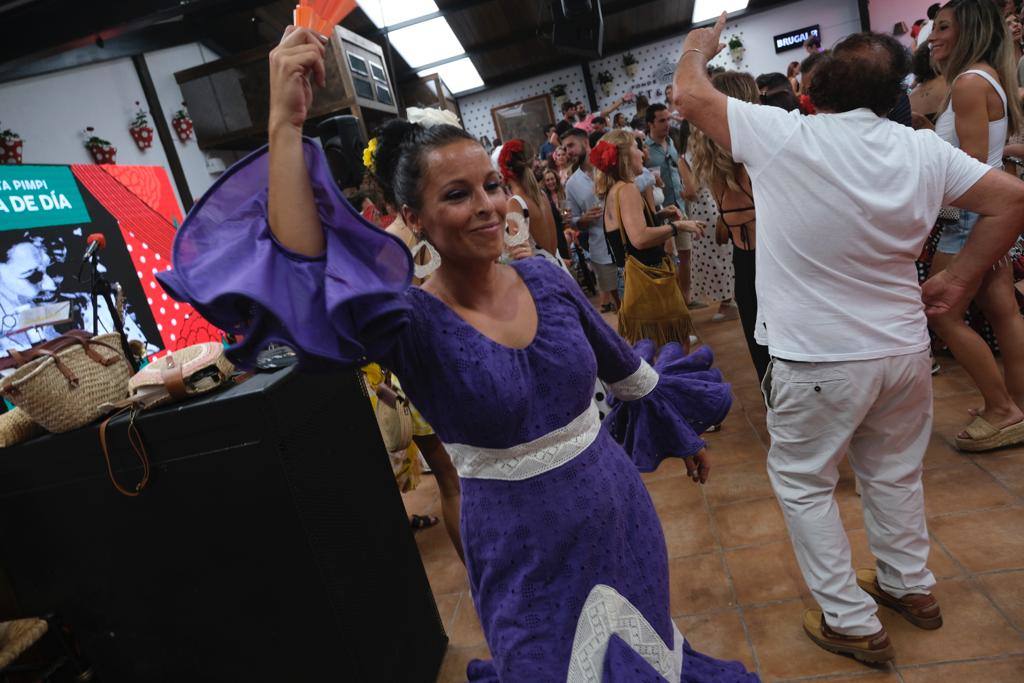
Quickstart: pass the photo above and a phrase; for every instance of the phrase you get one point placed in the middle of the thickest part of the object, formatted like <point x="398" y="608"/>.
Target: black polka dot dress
<point x="711" y="272"/>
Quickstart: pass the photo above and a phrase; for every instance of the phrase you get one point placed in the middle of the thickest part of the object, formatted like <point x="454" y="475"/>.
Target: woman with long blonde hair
<point x="730" y="185"/>
<point x="974" y="52"/>
<point x="652" y="304"/>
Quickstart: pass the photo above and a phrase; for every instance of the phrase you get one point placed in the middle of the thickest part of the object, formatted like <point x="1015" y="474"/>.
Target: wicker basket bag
<point x="69" y="383"/>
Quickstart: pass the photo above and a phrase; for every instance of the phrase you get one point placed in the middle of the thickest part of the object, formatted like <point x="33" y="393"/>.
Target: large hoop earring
<point x="433" y="259"/>
<point x="522" y="227"/>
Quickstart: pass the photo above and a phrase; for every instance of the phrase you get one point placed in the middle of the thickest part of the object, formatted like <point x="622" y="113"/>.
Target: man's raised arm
<point x="694" y="96"/>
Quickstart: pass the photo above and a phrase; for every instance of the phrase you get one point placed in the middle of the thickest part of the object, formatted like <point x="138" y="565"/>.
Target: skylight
<point x="426" y="42"/>
<point x="390" y="12"/>
<point x="459" y="75"/>
<point x="710" y="9"/>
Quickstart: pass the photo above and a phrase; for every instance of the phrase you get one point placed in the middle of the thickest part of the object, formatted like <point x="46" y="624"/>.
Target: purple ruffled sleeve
<point x="689" y="396"/>
<point x="339" y="309"/>
<point x="659" y="407"/>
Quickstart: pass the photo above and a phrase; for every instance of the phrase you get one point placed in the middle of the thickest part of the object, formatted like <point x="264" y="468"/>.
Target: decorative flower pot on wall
<point x="182" y="124"/>
<point x="103" y="154"/>
<point x="143" y="136"/>
<point x="10" y="150"/>
<point x="631" y="70"/>
<point x="183" y="127"/>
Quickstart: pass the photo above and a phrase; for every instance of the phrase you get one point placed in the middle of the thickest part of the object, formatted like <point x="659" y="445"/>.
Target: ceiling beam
<point x="83" y="23"/>
<point x="635" y="41"/>
<point x="160" y="36"/>
<point x="521" y="36"/>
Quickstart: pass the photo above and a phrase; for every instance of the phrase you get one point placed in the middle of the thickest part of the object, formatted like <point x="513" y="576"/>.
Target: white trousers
<point x="879" y="412"/>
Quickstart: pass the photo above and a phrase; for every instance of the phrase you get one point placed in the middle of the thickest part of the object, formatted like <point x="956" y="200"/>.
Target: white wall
<point x="50" y="111"/>
<point x="476" y="109"/>
<point x="162" y="66"/>
<point x="885" y="13"/>
<point x="838" y="19"/>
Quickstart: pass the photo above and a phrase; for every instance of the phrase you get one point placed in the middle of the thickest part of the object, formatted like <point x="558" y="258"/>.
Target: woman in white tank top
<point x="971" y="45"/>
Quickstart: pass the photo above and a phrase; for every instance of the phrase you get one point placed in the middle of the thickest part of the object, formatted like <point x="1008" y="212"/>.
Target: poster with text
<point x="46" y="216"/>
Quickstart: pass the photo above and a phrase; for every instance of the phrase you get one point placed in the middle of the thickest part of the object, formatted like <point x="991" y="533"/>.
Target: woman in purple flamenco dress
<point x="565" y="554"/>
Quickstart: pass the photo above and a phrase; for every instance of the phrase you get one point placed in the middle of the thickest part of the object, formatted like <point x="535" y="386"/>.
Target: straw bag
<point x="179" y="375"/>
<point x="67" y="382"/>
<point x="394" y="417"/>
<point x="16" y="426"/>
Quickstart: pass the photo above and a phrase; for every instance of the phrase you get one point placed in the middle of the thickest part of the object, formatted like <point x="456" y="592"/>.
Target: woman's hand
<point x="297" y="58"/>
<point x="694" y="227"/>
<point x="520" y="252"/>
<point x="698" y="467"/>
<point x="670" y="212"/>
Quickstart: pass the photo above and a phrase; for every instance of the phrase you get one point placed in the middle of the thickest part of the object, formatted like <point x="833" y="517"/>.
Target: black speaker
<point x="578" y="27"/>
<point x="343" y="144"/>
<point x="270" y="545"/>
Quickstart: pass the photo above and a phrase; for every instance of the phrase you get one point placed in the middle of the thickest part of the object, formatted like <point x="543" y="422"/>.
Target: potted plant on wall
<point x="629" y="63"/>
<point x="10" y="147"/>
<point x="182" y="124"/>
<point x="736" y="48"/>
<point x="140" y="129"/>
<point x="101" y="150"/>
<point x="558" y="92"/>
<point x="605" y="79"/>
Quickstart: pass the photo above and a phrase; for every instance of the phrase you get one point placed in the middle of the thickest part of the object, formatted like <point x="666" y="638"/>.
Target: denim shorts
<point x="954" y="235"/>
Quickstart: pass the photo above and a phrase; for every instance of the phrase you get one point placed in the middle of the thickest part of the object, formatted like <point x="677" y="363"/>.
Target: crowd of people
<point x="810" y="204"/>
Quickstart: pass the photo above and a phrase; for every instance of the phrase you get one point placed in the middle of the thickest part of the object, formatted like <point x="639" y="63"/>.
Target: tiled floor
<point x="736" y="591"/>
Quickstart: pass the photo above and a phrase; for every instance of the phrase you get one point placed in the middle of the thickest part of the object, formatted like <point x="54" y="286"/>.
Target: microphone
<point x="95" y="241"/>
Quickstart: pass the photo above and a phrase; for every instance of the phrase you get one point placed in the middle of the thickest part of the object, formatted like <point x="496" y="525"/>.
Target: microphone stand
<point x="102" y="288"/>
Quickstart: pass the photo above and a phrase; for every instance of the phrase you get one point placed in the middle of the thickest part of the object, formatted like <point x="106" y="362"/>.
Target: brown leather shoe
<point x="920" y="609"/>
<point x="872" y="649"/>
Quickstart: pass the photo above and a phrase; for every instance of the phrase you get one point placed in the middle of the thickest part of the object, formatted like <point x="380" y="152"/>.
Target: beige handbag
<point x="179" y="375"/>
<point x="69" y="381"/>
<point x="394" y="416"/>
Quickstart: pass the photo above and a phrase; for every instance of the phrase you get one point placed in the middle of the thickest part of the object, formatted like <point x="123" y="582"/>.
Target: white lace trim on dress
<point x="637" y="385"/>
<point x="528" y="459"/>
<point x="606" y="613"/>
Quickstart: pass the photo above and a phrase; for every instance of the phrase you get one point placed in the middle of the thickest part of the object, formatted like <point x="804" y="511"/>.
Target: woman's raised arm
<point x="294" y="64"/>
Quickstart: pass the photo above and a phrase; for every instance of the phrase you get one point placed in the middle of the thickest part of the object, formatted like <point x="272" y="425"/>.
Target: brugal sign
<point x="791" y="40"/>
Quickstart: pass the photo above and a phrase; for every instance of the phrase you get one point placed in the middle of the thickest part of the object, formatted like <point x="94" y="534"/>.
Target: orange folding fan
<point x="322" y="15"/>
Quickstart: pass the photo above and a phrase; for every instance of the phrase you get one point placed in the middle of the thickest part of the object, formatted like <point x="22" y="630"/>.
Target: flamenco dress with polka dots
<point x="566" y="558"/>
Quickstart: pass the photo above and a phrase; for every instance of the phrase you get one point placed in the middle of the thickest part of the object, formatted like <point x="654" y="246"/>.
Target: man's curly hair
<point x="864" y="70"/>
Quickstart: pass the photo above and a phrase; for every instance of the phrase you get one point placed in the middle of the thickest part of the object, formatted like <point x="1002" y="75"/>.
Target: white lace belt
<point x="528" y="459"/>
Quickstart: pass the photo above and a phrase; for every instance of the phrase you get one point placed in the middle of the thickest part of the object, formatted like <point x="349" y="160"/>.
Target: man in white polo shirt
<point x="842" y="314"/>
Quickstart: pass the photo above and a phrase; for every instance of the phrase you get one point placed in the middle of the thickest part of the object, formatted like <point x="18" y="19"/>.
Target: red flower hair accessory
<point x="514" y="146"/>
<point x="605" y="156"/>
<point x="807" y="106"/>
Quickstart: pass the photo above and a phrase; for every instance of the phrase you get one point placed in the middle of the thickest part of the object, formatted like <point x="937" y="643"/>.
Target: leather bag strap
<point x="138" y="447"/>
<point x="173" y="378"/>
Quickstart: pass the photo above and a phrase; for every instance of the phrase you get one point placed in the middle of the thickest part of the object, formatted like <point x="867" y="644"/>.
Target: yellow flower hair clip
<point x="369" y="154"/>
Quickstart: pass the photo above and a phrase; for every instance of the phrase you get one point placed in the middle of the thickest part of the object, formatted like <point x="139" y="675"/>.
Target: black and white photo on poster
<point x="42" y="266"/>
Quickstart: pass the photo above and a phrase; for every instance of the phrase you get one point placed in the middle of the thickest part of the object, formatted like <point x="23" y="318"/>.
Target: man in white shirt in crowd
<point x="842" y="314"/>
